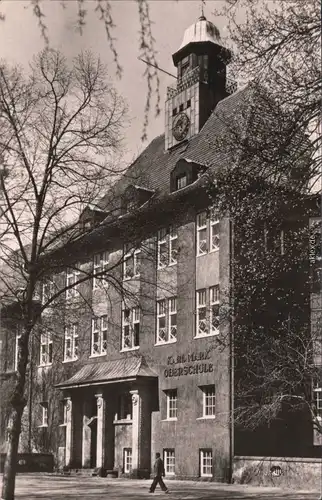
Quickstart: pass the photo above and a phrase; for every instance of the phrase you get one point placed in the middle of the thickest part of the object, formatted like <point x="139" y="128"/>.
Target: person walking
<point x="158" y="471"/>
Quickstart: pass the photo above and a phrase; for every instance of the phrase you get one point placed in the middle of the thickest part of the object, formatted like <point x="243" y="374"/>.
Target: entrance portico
<point x="108" y="416"/>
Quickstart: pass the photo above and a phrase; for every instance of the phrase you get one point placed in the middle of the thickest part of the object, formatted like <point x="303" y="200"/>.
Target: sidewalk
<point x="54" y="487"/>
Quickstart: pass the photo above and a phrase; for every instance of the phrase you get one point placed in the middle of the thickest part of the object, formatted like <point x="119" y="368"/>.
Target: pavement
<point x="44" y="487"/>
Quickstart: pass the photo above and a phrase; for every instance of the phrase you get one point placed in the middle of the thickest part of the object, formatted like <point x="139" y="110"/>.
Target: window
<point x="131" y="265"/>
<point x="100" y="266"/>
<point x="201" y="327"/>
<point x="99" y="335"/>
<point x="131" y="328"/>
<point x="48" y="290"/>
<point x="172" y="403"/>
<point x="44" y="414"/>
<point x="188" y="103"/>
<point x="181" y="181"/>
<point x="181" y="107"/>
<point x="167" y="247"/>
<point x="46" y="348"/>
<point x="127" y="460"/>
<point x="202" y="233"/>
<point x="207" y="232"/>
<point x="205" y="463"/>
<point x="184" y="66"/>
<point x="72" y="277"/>
<point x="173" y="246"/>
<point x="174" y="111"/>
<point x="18" y="337"/>
<point x="124" y="409"/>
<point x="214" y="231"/>
<point x="214" y="309"/>
<point x="318" y="401"/>
<point x="166" y="320"/>
<point x="169" y="461"/>
<point x="209" y="401"/>
<point x="162" y="248"/>
<point x="207" y="300"/>
<point x="71" y="342"/>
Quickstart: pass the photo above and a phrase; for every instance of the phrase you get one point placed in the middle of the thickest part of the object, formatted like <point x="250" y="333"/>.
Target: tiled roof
<point x="153" y="166"/>
<point x="110" y="371"/>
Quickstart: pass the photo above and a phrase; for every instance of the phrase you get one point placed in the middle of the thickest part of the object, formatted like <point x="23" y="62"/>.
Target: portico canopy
<point x="107" y="372"/>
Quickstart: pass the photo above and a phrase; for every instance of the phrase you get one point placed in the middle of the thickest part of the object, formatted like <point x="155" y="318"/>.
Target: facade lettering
<point x="189" y="370"/>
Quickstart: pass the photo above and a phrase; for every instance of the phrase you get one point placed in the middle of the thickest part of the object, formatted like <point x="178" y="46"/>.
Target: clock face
<point x="180" y="126"/>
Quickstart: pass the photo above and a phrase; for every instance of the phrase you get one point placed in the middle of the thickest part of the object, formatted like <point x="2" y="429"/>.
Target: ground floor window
<point x="127" y="460"/>
<point x="44" y="414"/>
<point x="169" y="461"/>
<point x="318" y="401"/>
<point x="205" y="463"/>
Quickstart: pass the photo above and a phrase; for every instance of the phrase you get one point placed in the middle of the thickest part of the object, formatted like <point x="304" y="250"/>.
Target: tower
<point x="201" y="62"/>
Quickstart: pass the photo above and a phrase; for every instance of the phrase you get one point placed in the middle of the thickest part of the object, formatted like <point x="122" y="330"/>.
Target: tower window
<point x="184" y="66"/>
<point x="188" y="103"/>
<point x="181" y="107"/>
<point x="174" y="111"/>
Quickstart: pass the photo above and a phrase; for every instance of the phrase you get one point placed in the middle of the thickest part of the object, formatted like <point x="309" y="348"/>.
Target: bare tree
<point x="61" y="135"/>
<point x="103" y="9"/>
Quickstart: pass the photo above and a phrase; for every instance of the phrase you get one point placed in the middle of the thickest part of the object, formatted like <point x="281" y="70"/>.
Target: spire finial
<point x="202" y="6"/>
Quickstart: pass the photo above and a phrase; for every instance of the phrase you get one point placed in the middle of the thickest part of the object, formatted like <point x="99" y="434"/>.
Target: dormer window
<point x="184" y="173"/>
<point x="181" y="181"/>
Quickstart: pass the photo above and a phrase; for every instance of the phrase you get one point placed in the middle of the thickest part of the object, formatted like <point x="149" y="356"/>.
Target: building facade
<point x="143" y="362"/>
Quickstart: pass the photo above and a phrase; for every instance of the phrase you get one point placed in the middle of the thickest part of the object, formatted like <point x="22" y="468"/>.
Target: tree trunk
<point x="18" y="402"/>
<point x="10" y="466"/>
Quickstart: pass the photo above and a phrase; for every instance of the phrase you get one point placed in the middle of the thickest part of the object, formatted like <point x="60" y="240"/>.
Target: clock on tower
<point x="201" y="82"/>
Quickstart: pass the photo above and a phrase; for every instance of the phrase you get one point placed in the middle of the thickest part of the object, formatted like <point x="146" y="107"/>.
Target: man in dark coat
<point x="158" y="471"/>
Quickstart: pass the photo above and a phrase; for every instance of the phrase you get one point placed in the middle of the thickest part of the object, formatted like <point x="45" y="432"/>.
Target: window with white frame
<point x="44" y="414"/>
<point x="173" y="246"/>
<point x="166" y="320"/>
<point x="172" y="404"/>
<point x="214" y="231"/>
<point x="72" y="276"/>
<point x="162" y="248"/>
<point x="201" y="316"/>
<point x="167" y="247"/>
<point x="99" y="335"/>
<point x="208" y="231"/>
<point x="131" y="263"/>
<point x="127" y="460"/>
<point x="208" y="401"/>
<point x="71" y="342"/>
<point x="205" y="463"/>
<point x="100" y="265"/>
<point x="46" y="348"/>
<point x="202" y="246"/>
<point x="131" y="328"/>
<point x="318" y="401"/>
<point x="214" y="309"/>
<point x="207" y="311"/>
<point x="169" y="460"/>
<point x="18" y="337"/>
<point x="48" y="290"/>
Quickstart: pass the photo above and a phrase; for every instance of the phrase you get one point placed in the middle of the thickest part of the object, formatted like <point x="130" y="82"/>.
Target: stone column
<point x="86" y="438"/>
<point x="101" y="417"/>
<point x="69" y="431"/>
<point x="136" y="425"/>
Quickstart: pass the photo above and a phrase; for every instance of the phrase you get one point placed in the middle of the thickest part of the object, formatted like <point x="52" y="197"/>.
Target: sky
<point x="20" y="39"/>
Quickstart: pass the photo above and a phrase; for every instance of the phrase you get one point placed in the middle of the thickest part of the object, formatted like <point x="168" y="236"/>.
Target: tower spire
<point x="202" y="7"/>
